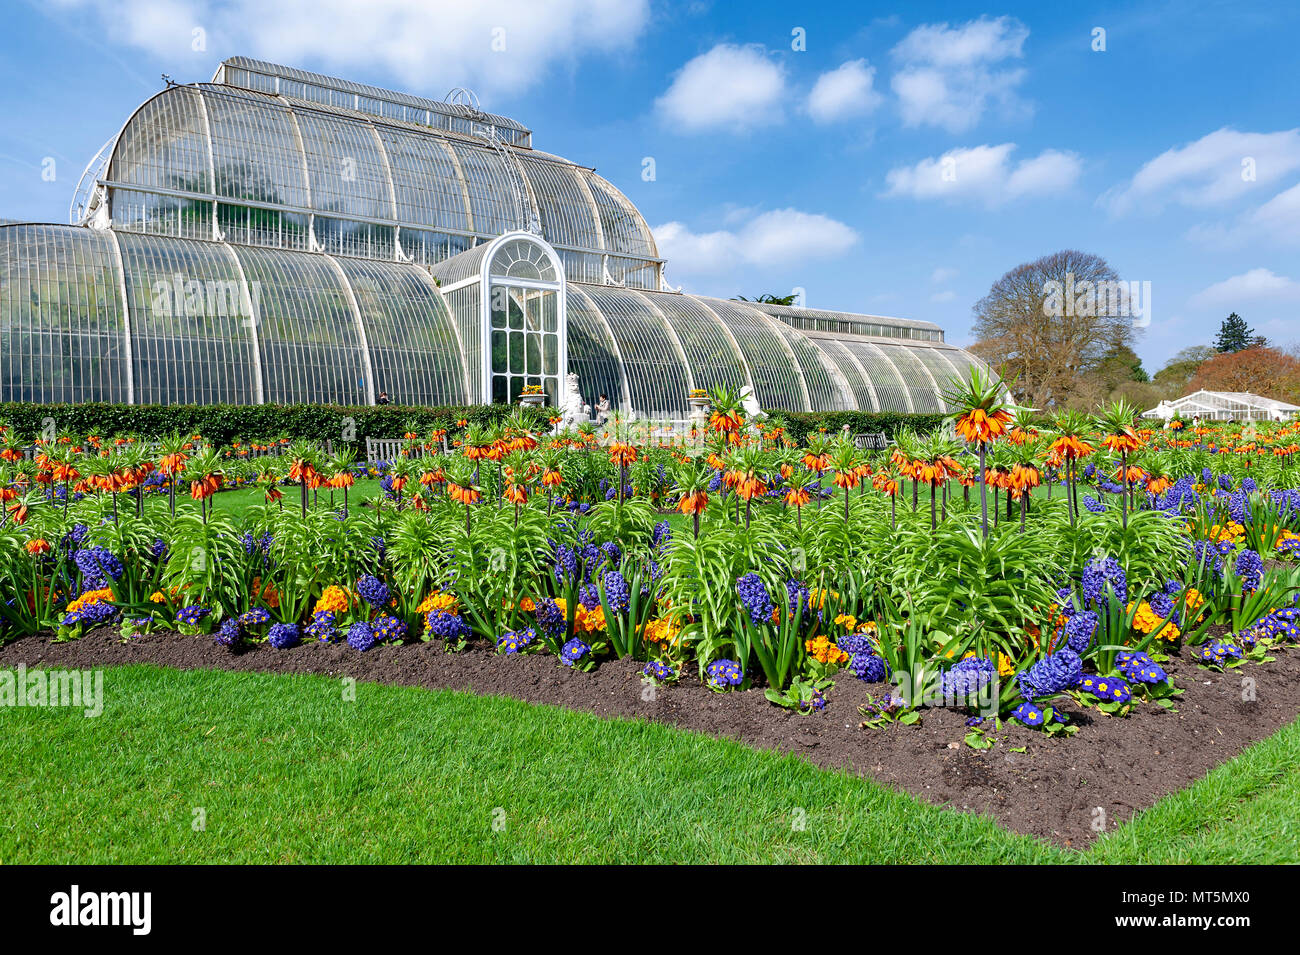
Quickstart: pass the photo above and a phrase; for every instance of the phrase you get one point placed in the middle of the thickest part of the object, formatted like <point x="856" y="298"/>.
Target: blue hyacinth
<point x="1079" y="630"/>
<point x="868" y="667"/>
<point x="1250" y="568"/>
<point x="447" y="626"/>
<point x="228" y="634"/>
<point x="550" y="620"/>
<point x="754" y="597"/>
<point x="967" y="677"/>
<point x="361" y="636"/>
<point x="855" y="643"/>
<point x="373" y="591"/>
<point x="616" y="592"/>
<point x="283" y="635"/>
<point x="1051" y="675"/>
<point x="1099" y="574"/>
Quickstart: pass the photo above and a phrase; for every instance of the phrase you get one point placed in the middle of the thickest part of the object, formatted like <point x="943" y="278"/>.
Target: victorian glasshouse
<point x="281" y="236"/>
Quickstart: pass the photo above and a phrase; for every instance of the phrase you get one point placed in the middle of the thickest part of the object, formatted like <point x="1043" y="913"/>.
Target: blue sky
<point x="1174" y="152"/>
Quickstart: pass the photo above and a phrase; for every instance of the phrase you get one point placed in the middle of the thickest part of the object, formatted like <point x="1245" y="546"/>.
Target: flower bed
<point x="1049" y="579"/>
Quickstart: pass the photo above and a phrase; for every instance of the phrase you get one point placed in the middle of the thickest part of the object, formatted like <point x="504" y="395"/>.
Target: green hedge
<point x="223" y="424"/>
<point x="890" y="422"/>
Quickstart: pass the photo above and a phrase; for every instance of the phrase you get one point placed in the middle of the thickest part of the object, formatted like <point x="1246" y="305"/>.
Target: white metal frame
<point x="559" y="286"/>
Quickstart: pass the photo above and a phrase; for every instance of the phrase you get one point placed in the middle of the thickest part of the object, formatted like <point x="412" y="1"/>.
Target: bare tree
<point x="1022" y="332"/>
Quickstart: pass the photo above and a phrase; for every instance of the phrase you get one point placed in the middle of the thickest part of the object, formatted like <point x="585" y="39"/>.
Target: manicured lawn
<point x="286" y="770"/>
<point x="238" y="500"/>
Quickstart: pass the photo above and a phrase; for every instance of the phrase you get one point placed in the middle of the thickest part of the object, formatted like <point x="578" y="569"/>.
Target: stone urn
<point x="699" y="405"/>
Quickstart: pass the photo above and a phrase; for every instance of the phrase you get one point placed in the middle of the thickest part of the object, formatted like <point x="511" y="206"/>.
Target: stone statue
<point x="575" y="412"/>
<point x="749" y="402"/>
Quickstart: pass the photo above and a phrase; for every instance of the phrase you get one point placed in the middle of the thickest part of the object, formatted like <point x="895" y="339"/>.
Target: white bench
<point x="871" y="441"/>
<point x="383" y="449"/>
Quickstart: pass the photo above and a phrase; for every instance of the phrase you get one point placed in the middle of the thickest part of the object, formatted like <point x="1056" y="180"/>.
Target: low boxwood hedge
<point x="223" y="424"/>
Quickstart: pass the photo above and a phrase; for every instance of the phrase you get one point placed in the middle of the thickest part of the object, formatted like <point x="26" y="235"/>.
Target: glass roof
<point x="315" y="88"/>
<point x="218" y="161"/>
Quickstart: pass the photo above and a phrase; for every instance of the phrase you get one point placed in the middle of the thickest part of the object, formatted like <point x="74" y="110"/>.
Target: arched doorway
<point x="524" y="319"/>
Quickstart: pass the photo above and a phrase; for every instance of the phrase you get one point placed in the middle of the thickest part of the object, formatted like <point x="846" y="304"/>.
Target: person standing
<point x="382" y="399"/>
<point x="602" y="409"/>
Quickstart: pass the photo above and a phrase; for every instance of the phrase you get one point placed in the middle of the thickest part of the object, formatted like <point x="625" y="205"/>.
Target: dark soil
<point x="1051" y="790"/>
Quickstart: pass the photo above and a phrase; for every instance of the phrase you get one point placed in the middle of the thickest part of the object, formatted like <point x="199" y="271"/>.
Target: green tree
<point x="1234" y="334"/>
<point x="1174" y="377"/>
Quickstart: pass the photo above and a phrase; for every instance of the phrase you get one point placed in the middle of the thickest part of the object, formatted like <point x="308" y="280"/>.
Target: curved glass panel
<point x="708" y="348"/>
<point x="593" y="356"/>
<point x="428" y="187"/>
<point x="311" y="347"/>
<point x="924" y="392"/>
<point x="656" y="381"/>
<point x="191" y="322"/>
<point x="459" y="268"/>
<point x="621" y="224"/>
<point x="364" y="167"/>
<point x="165" y="144"/>
<point x="62" y="331"/>
<point x="823" y="391"/>
<point x="939" y="368"/>
<point x="259" y="167"/>
<point x="891" y="391"/>
<point x="414" y="348"/>
<point x="563" y="203"/>
<point x="862" y="398"/>
<point x="493" y="188"/>
<point x="776" y="379"/>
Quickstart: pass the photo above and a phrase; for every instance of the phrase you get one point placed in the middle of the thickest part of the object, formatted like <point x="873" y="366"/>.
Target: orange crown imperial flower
<point x="693" y="503"/>
<point x="979" y="427"/>
<point x="622" y="454"/>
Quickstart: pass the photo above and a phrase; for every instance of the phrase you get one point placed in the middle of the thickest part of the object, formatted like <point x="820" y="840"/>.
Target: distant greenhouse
<point x="281" y="236"/>
<point x="1224" y="406"/>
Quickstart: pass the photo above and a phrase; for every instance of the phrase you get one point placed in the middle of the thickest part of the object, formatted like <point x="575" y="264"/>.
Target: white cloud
<point x="731" y="87"/>
<point x="1210" y="171"/>
<point x="980" y="41"/>
<point x="942" y="275"/>
<point x="985" y="174"/>
<point x="1259" y="286"/>
<point x="843" y="92"/>
<point x="945" y="296"/>
<point x="949" y="76"/>
<point x="492" y="46"/>
<point x="1277" y="220"/>
<point x="778" y="237"/>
